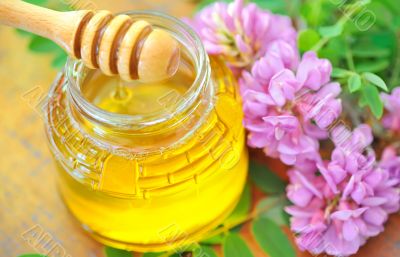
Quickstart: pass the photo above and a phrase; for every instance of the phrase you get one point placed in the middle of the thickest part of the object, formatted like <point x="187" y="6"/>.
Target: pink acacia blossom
<point x="313" y="72"/>
<point x="340" y="203"/>
<point x="242" y="33"/>
<point x="288" y="106"/>
<point x="391" y="120"/>
<point x="391" y="162"/>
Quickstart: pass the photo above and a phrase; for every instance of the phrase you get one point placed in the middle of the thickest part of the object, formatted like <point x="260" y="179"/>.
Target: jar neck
<point x="177" y="110"/>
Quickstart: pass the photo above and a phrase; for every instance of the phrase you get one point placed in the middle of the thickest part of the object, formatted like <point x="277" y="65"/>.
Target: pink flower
<point x="242" y="32"/>
<point x="313" y="72"/>
<point x="391" y="120"/>
<point x="282" y="115"/>
<point x="339" y="204"/>
<point x="283" y="86"/>
<point x="322" y="106"/>
<point x="391" y="162"/>
<point x="352" y="141"/>
<point x="295" y="146"/>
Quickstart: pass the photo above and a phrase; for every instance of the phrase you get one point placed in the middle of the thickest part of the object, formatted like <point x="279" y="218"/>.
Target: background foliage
<point x="360" y="38"/>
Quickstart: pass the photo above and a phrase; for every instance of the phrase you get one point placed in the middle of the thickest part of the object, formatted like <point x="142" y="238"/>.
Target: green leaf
<point x="152" y="254"/>
<point x="289" y="8"/>
<point x="24" y="33"/>
<point x="316" y="12"/>
<point x="330" y="51"/>
<point x="272" y="207"/>
<point x="307" y="39"/>
<point x="383" y="38"/>
<point x="265" y="179"/>
<point x="396" y="22"/>
<point x="385" y="16"/>
<point x="237" y="228"/>
<point x="235" y="246"/>
<point x="113" y="252"/>
<point x="293" y="8"/>
<point x="375" y="80"/>
<point x="276" y="6"/>
<point x="42" y="45"/>
<point x="354" y="83"/>
<point x="340" y="73"/>
<point x="60" y="60"/>
<point x="36" y="2"/>
<point x="215" y="240"/>
<point x="362" y="102"/>
<point x="204" y="3"/>
<point x="392" y="5"/>
<point x="271" y="238"/>
<point x="204" y="251"/>
<point x="370" y="51"/>
<point x="160" y="254"/>
<point x="331" y="31"/>
<point x="242" y="208"/>
<point x="373" y="100"/>
<point x="372" y="66"/>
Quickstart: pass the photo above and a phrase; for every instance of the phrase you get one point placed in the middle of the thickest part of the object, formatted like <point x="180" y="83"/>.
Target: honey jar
<point x="149" y="166"/>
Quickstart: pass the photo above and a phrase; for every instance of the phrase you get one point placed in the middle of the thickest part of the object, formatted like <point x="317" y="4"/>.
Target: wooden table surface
<point x="29" y="202"/>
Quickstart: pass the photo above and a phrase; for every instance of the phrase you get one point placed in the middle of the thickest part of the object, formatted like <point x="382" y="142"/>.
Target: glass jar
<point x="156" y="180"/>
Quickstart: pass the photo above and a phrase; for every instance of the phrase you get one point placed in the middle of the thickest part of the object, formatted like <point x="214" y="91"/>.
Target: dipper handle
<point x="114" y="44"/>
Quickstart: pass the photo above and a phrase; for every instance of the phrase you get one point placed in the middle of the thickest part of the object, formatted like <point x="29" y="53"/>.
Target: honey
<point x="149" y="167"/>
<point x="136" y="98"/>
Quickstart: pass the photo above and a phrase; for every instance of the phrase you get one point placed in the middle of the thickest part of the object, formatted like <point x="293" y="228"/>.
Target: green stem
<point x="349" y="56"/>
<point x="321" y="43"/>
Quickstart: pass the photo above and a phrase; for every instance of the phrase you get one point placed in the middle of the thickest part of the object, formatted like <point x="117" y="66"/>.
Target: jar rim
<point x="186" y="101"/>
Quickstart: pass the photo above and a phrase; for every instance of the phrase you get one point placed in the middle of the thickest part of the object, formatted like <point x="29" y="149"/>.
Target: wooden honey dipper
<point x="114" y="44"/>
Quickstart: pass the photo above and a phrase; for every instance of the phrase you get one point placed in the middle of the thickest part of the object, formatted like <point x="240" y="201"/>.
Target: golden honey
<point x="149" y="167"/>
